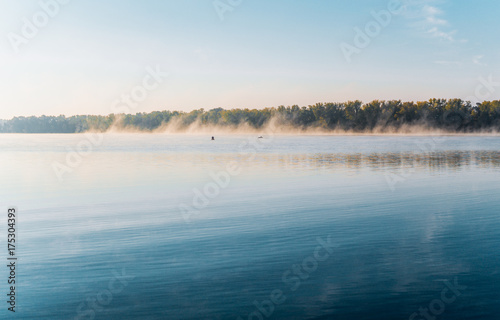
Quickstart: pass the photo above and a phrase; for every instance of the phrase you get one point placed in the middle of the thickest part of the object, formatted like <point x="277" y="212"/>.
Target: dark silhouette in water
<point x="213" y="138"/>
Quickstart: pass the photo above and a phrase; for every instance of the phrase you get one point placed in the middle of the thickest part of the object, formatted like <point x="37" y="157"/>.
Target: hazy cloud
<point x="477" y="60"/>
<point x="430" y="20"/>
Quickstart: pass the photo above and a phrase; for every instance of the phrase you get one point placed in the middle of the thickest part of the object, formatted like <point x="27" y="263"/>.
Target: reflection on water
<point x="433" y="160"/>
<point x="119" y="210"/>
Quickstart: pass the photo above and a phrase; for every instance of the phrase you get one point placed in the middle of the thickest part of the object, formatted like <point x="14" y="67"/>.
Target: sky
<point x="100" y="57"/>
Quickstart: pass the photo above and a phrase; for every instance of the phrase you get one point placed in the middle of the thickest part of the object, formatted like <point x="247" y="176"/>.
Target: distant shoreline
<point x="432" y="117"/>
<point x="354" y="134"/>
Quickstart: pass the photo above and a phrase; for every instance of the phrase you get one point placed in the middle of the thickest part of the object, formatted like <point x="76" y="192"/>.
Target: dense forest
<point x="452" y="115"/>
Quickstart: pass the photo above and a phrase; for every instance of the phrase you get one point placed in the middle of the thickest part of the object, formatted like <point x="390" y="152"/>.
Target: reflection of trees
<point x="432" y="160"/>
<point x="443" y="160"/>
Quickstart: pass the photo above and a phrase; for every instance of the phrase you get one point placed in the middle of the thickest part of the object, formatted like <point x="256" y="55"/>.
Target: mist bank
<point x="439" y="116"/>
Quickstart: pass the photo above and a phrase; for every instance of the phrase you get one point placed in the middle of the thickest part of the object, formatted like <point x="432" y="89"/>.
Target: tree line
<point x="454" y="115"/>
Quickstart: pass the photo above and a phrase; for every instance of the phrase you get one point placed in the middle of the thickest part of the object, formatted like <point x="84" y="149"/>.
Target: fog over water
<point x="342" y="226"/>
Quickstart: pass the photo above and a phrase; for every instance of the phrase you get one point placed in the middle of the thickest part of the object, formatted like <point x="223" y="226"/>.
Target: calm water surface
<point x="286" y="227"/>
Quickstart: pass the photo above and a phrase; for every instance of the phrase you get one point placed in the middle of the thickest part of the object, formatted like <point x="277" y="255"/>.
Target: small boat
<point x="260" y="137"/>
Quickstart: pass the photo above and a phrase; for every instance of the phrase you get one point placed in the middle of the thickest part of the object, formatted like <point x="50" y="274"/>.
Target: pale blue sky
<point x="263" y="53"/>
